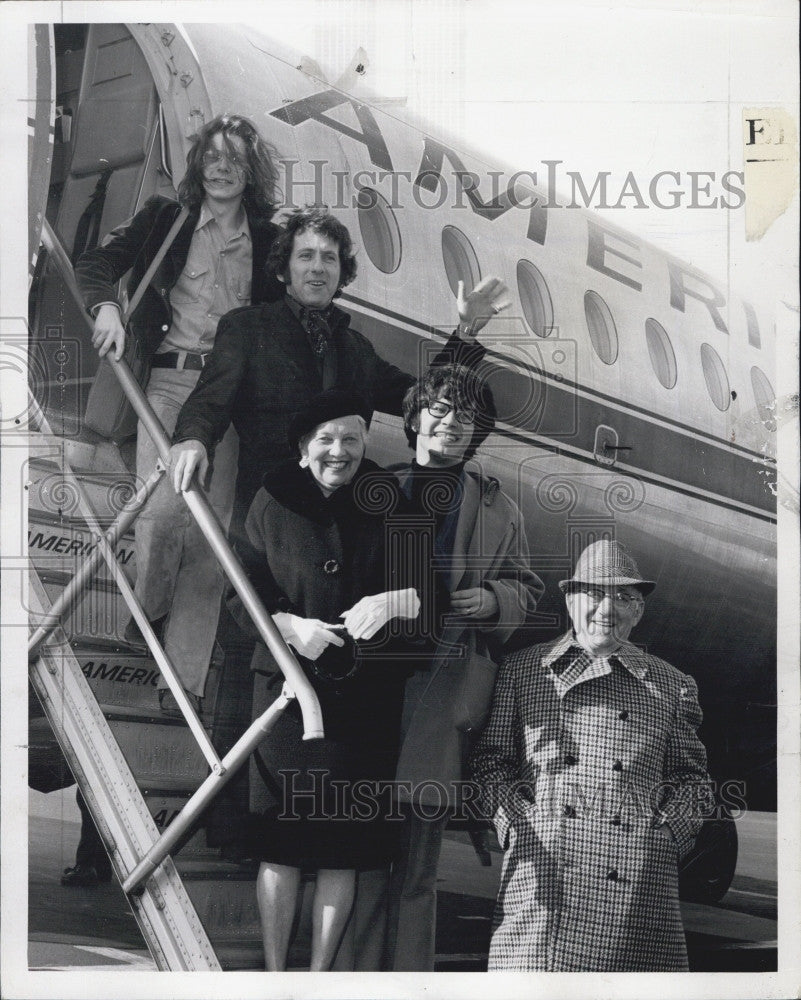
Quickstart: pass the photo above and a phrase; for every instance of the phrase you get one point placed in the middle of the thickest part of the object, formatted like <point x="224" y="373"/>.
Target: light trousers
<point x="177" y="574"/>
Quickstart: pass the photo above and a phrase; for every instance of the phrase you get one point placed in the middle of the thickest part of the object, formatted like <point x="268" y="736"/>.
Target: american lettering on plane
<point x="602" y="243"/>
<point x="62" y="543"/>
<point x="119" y="672"/>
<point x="163" y="817"/>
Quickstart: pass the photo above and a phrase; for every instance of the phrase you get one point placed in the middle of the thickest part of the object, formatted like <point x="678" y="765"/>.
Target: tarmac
<point x="93" y="929"/>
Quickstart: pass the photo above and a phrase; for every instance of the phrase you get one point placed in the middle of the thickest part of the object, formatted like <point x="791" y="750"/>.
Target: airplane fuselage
<point x="633" y="392"/>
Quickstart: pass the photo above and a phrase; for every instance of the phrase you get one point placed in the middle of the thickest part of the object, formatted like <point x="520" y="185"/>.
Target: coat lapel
<point x="290" y="337"/>
<point x="466" y="542"/>
<point x="260" y="245"/>
<point x="265" y="287"/>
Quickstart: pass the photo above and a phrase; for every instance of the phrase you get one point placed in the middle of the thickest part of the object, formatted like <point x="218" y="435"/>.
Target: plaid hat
<point x="606" y="564"/>
<point x="329" y="405"/>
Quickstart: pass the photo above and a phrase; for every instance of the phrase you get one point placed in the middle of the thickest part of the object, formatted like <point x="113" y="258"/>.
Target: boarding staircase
<point x="146" y="778"/>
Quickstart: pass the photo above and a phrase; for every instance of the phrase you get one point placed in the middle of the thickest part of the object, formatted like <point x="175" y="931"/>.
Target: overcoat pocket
<point x="473" y="701"/>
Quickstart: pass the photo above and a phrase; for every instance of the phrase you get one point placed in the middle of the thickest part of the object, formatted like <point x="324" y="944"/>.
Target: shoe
<point x="169" y="706"/>
<point x="133" y="634"/>
<point x="81" y="875"/>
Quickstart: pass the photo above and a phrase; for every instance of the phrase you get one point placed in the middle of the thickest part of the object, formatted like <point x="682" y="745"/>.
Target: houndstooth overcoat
<point x="596" y="782"/>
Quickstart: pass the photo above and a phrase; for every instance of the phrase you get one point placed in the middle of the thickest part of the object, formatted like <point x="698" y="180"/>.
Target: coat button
<point x="613" y="875"/>
<point x="615" y="820"/>
<point x="331" y="566"/>
<point x="568" y="811"/>
<point x="570" y="760"/>
<point x="618" y="765"/>
<point x="164" y="328"/>
<point x="623" y="716"/>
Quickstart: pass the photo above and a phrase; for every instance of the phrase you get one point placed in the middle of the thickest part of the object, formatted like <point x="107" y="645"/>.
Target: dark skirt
<point x="329" y="802"/>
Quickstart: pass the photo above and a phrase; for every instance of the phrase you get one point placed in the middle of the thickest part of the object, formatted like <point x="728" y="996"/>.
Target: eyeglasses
<point x="213" y="156"/>
<point x="438" y="408"/>
<point x="620" y="598"/>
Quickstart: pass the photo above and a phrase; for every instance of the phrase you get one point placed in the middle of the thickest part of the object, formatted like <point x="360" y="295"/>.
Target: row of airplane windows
<point x="381" y="239"/>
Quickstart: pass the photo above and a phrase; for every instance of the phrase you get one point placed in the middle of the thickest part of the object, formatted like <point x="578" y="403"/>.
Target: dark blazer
<point x="132" y="247"/>
<point x="262" y="371"/>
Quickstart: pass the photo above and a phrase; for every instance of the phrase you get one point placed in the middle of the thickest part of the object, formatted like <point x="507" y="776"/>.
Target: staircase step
<point x="240" y="955"/>
<point x="225" y="900"/>
<point x="160" y="751"/>
<point x="120" y="679"/>
<point x="87" y="453"/>
<point x="62" y="544"/>
<point x="164" y="807"/>
<point x="99" y="615"/>
<point x="229" y="912"/>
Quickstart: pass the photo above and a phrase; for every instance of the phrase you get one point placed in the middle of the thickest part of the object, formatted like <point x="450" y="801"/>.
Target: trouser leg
<point x="91" y="850"/>
<point x="160" y="527"/>
<point x="362" y="948"/>
<point x="200" y="581"/>
<point x="177" y="572"/>
<point x="412" y="920"/>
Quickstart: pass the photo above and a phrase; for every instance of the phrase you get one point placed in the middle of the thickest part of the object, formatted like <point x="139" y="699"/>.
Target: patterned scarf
<point x="316" y="323"/>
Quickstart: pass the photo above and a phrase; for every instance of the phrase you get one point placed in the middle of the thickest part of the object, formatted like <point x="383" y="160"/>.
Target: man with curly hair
<point x="269" y="361"/>
<point x="216" y="263"/>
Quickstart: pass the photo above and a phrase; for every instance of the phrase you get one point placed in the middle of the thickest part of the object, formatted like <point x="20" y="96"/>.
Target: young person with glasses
<point x="480" y="554"/>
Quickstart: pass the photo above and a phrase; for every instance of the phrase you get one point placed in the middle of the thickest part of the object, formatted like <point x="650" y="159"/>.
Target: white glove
<point x="309" y="636"/>
<point x="371" y="614"/>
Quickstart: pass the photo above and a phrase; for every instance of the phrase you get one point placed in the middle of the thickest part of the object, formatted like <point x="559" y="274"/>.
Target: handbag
<point x="108" y="411"/>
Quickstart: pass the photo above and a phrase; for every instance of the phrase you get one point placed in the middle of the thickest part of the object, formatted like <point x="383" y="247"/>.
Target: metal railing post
<point x="167" y="670"/>
<point x="210" y="526"/>
<point x="213" y="784"/>
<point x="63" y="604"/>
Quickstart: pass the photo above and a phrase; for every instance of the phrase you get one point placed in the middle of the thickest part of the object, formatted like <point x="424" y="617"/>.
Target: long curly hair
<point x="466" y="388"/>
<point x="318" y="219"/>
<point x="259" y="197"/>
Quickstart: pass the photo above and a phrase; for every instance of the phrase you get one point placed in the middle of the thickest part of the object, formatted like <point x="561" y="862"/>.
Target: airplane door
<point x="41" y="83"/>
<point x="112" y="98"/>
<point x="107" y="131"/>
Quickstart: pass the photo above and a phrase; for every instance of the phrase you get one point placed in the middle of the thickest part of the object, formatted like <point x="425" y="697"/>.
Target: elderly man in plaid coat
<point x="596" y="780"/>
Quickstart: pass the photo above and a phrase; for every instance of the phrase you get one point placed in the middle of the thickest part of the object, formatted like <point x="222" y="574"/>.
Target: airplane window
<point x="765" y="398"/>
<point x="461" y="263"/>
<point x="717" y="381"/>
<point x="535" y="298"/>
<point x="663" y="360"/>
<point x="603" y="332"/>
<point x="380" y="232"/>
